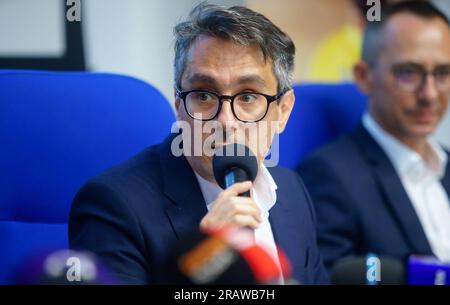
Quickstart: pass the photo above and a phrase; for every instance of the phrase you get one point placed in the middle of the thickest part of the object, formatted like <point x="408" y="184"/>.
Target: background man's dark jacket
<point x="360" y="202"/>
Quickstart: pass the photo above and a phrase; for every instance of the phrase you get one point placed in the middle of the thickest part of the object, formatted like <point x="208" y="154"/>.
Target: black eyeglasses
<point x="247" y="107"/>
<point x="411" y="77"/>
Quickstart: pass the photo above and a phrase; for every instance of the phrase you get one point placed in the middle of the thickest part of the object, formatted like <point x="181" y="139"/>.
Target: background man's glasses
<point x="247" y="107"/>
<point x="412" y="77"/>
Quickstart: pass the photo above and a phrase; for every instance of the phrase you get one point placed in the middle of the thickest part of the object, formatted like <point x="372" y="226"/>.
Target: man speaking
<point x="233" y="72"/>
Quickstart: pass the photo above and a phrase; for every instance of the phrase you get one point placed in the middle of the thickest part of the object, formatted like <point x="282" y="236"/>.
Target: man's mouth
<point x="424" y="115"/>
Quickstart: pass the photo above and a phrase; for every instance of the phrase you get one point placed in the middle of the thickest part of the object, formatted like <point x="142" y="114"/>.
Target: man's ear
<point x="362" y="74"/>
<point x="285" y="109"/>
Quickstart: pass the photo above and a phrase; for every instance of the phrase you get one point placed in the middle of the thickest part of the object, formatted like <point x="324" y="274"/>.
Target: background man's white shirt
<point x="421" y="180"/>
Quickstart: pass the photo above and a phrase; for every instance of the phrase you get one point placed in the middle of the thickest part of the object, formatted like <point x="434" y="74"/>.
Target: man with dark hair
<point x="233" y="73"/>
<point x="384" y="188"/>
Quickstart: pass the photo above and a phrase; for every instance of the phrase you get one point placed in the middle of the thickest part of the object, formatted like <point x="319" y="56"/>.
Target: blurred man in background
<point x="384" y="188"/>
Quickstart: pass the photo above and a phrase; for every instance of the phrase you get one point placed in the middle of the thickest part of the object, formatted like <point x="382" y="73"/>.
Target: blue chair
<point x="321" y="113"/>
<point x="57" y="129"/>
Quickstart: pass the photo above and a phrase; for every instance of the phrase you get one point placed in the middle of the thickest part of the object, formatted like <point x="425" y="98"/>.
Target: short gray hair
<point x="241" y="25"/>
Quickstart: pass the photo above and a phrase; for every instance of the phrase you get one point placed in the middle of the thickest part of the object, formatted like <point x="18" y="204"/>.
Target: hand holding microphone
<point x="231" y="209"/>
<point x="235" y="168"/>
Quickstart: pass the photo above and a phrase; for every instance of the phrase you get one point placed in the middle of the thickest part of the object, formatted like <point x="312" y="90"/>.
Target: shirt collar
<point x="263" y="190"/>
<point x="407" y="162"/>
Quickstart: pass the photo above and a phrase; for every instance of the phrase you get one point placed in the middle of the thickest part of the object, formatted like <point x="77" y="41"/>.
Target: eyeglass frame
<point x="269" y="98"/>
<point x="423" y="73"/>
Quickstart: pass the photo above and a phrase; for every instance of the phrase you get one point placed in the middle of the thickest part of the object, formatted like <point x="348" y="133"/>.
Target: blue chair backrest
<point x="57" y="129"/>
<point x="321" y="113"/>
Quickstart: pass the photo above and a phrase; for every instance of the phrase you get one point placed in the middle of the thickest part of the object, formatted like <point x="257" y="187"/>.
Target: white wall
<point x="443" y="132"/>
<point x="31" y="27"/>
<point x="135" y="37"/>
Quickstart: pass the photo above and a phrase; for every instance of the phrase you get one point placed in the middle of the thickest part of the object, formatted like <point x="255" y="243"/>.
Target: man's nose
<point x="226" y="113"/>
<point x="429" y="91"/>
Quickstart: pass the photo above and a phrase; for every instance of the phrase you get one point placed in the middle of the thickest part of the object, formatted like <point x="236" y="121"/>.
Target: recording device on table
<point x="373" y="270"/>
<point x="64" y="267"/>
<point x="227" y="256"/>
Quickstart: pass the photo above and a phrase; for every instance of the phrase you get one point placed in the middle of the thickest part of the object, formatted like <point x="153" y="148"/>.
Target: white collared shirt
<point x="421" y="180"/>
<point x="264" y="194"/>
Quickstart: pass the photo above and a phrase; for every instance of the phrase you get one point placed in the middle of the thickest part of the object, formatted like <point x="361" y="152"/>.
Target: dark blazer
<point x="360" y="202"/>
<point x="131" y="215"/>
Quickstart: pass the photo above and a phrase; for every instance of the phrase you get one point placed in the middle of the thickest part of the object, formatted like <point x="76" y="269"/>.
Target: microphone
<point x="234" y="163"/>
<point x="368" y="270"/>
<point x="63" y="267"/>
<point x="224" y="257"/>
<point x="413" y="270"/>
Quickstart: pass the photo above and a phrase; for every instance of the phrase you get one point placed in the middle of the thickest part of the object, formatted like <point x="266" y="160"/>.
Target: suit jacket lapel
<point x="181" y="187"/>
<point x="392" y="189"/>
<point x="285" y="228"/>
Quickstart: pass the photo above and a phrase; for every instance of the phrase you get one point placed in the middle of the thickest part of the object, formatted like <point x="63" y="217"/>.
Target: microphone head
<point x="63" y="267"/>
<point x="356" y="271"/>
<point x="232" y="156"/>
